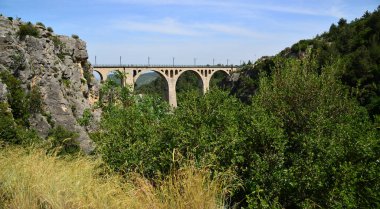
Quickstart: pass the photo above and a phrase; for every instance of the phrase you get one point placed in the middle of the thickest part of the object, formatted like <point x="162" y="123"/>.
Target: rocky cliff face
<point x="58" y="66"/>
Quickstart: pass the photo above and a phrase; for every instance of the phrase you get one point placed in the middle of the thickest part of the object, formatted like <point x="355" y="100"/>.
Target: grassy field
<point x="31" y="179"/>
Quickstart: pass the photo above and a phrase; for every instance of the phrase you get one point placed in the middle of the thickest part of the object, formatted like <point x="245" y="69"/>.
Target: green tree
<point x="17" y="98"/>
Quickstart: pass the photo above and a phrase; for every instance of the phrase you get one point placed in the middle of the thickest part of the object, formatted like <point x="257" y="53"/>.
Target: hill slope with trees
<point x="355" y="45"/>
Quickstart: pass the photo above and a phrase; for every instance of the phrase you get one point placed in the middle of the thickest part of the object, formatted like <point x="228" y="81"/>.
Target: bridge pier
<point x="206" y="84"/>
<point x="172" y="92"/>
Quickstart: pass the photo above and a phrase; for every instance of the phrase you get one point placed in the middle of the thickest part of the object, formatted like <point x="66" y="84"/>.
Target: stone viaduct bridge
<point x="169" y="73"/>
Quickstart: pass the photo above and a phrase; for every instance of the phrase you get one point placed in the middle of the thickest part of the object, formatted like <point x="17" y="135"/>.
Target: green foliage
<point x="189" y="81"/>
<point x="355" y="44"/>
<point x="17" y="98"/>
<point x="330" y="142"/>
<point x="40" y="24"/>
<point x="61" y="56"/>
<point x="132" y="131"/>
<point x="63" y="141"/>
<point x="220" y="80"/>
<point x="86" y="118"/>
<point x="157" y="88"/>
<point x="18" y="63"/>
<point x="248" y="82"/>
<point x="50" y="29"/>
<point x="14" y="124"/>
<point x="12" y="133"/>
<point x="301" y="46"/>
<point x="27" y="29"/>
<point x="74" y="36"/>
<point x="302" y="143"/>
<point x="66" y="82"/>
<point x="10" y="18"/>
<point x="8" y="129"/>
<point x="86" y="72"/>
<point x="58" y="44"/>
<point x="35" y="100"/>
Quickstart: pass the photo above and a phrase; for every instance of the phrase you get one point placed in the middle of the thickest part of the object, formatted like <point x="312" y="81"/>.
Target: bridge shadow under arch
<point x="152" y="83"/>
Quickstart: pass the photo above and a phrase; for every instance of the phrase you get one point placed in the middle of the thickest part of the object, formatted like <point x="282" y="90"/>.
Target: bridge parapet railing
<point x="162" y="66"/>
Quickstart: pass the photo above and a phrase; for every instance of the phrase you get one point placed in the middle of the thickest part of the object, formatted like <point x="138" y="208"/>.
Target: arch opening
<point x="220" y="80"/>
<point x="152" y="83"/>
<point x="188" y="82"/>
<point x="97" y="75"/>
<point x="115" y="77"/>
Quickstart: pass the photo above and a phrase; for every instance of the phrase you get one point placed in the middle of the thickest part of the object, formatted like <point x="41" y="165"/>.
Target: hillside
<point x="354" y="46"/>
<point x="45" y="80"/>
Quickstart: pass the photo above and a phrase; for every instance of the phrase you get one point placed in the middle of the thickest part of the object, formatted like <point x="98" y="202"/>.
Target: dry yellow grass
<point x="31" y="180"/>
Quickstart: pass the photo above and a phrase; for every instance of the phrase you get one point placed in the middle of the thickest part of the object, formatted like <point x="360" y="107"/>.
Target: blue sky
<point x="186" y="29"/>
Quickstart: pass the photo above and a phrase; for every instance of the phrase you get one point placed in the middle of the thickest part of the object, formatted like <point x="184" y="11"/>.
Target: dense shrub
<point x="35" y="100"/>
<point x="86" y="118"/>
<point x="133" y="132"/>
<point x="17" y="98"/>
<point x="27" y="29"/>
<point x="40" y="24"/>
<point x="63" y="141"/>
<point x="331" y="147"/>
<point x="7" y="126"/>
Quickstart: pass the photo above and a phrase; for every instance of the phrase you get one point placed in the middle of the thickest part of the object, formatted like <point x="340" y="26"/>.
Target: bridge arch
<point x="218" y="79"/>
<point x="199" y="76"/>
<point x="140" y="72"/>
<point x="197" y="72"/>
<point x="218" y="70"/>
<point x="96" y="73"/>
<point x="161" y="82"/>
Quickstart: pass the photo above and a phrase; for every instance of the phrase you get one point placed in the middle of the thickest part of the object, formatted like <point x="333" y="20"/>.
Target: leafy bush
<point x="86" y="118"/>
<point x="74" y="36"/>
<point x="8" y="130"/>
<point x="27" y="30"/>
<point x="50" y="29"/>
<point x="331" y="145"/>
<point x="10" y="18"/>
<point x="40" y="24"/>
<point x="17" y="98"/>
<point x="301" y="46"/>
<point x="133" y="132"/>
<point x="63" y="141"/>
<point x="86" y="72"/>
<point x="35" y="100"/>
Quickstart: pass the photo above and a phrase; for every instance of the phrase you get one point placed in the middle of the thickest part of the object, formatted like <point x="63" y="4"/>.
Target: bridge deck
<point x="165" y="66"/>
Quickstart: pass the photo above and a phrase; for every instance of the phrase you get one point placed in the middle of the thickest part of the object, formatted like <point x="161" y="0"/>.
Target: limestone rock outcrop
<point x="58" y="66"/>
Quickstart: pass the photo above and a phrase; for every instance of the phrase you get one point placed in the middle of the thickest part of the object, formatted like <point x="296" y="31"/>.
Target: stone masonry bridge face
<point x="169" y="73"/>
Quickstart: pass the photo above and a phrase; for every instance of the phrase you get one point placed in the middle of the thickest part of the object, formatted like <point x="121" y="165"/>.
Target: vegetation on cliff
<point x="357" y="47"/>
